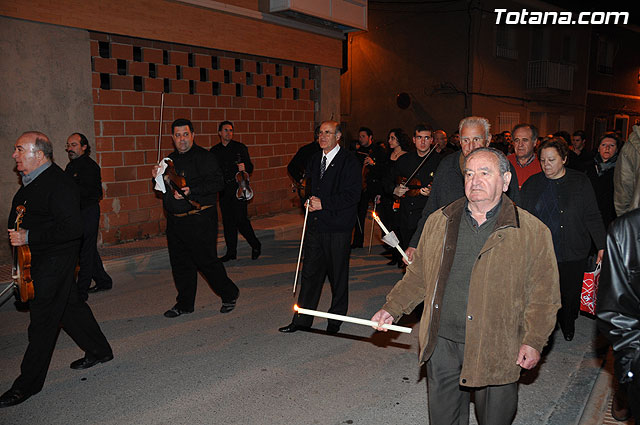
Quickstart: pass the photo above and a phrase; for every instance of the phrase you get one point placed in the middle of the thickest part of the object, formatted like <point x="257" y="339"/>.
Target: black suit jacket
<point x="339" y="191"/>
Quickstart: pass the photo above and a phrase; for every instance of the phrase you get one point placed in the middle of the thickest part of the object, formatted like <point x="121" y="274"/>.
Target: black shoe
<point x="356" y="245"/>
<point x="226" y="257"/>
<point x="175" y="312"/>
<point x="568" y="336"/>
<point x="13" y="397"/>
<point x="89" y="361"/>
<point x="333" y="329"/>
<point x="291" y="328"/>
<point x="97" y="288"/>
<point x="228" y="306"/>
<point x="620" y="404"/>
<point x="393" y="262"/>
<point x="255" y="252"/>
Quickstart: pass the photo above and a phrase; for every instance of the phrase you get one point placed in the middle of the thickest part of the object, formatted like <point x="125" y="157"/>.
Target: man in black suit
<point x="334" y="184"/>
<point x="85" y="172"/>
<point x="52" y="227"/>
<point x="233" y="157"/>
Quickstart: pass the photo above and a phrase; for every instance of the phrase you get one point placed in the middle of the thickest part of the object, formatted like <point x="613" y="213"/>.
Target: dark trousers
<point x="91" y="267"/>
<point x="325" y="254"/>
<point x="449" y="401"/>
<point x="363" y="207"/>
<point x="192" y="247"/>
<point x="571" y="276"/>
<point x="56" y="303"/>
<point x="235" y="219"/>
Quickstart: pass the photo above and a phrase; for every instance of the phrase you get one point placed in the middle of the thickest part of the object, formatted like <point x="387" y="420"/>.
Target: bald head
<point x="32" y="149"/>
<point x="330" y="135"/>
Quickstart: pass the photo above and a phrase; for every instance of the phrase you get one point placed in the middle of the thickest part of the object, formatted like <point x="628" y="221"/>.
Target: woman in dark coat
<point x="601" y="175"/>
<point x="563" y="199"/>
<point x="398" y="143"/>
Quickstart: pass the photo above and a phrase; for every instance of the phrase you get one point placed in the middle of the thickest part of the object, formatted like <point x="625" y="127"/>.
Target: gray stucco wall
<point x="45" y="86"/>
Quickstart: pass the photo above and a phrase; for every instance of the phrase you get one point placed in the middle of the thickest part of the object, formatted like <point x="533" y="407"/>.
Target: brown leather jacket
<point x="513" y="294"/>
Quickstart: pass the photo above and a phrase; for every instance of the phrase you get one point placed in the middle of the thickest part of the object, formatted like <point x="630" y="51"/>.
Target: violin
<point x="414" y="186"/>
<point x="244" y="192"/>
<point x="21" y="268"/>
<point x="177" y="182"/>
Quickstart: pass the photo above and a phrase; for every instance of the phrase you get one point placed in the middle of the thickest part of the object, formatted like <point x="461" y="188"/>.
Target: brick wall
<point x="270" y="103"/>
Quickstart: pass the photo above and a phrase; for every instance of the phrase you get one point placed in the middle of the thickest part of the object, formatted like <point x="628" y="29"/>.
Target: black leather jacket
<point x="618" y="303"/>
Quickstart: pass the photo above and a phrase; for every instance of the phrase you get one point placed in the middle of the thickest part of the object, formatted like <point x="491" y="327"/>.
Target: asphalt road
<point x="213" y="368"/>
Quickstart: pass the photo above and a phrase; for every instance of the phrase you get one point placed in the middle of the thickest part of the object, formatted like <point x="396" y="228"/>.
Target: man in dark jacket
<point x="373" y="160"/>
<point x="52" y="230"/>
<point x="233" y="157"/>
<point x="335" y="184"/>
<point x="192" y="223"/>
<point x="86" y="174"/>
<point x="618" y="304"/>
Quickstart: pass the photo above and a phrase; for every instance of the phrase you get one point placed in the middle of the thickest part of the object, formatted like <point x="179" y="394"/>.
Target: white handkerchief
<point x="159" y="178"/>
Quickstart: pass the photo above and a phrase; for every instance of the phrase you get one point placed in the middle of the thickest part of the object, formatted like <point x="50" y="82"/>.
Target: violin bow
<point x="160" y="125"/>
<point x="421" y="164"/>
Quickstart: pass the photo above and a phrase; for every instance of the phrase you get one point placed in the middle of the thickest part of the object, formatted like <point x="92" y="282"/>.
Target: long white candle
<point x="386" y="232"/>
<point x="355" y="320"/>
<point x="377" y="219"/>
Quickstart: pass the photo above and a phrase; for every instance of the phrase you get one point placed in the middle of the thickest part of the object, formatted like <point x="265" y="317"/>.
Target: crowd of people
<point x="497" y="231"/>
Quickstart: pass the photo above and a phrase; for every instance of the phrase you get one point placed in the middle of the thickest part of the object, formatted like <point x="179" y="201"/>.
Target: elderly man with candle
<point x="487" y="274"/>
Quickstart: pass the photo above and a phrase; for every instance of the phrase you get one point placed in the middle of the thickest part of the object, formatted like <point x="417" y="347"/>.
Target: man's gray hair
<point x="476" y="121"/>
<point x="41" y="143"/>
<point x="503" y="162"/>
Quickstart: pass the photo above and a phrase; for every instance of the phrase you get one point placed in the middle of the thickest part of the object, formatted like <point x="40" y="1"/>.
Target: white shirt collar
<point x="332" y="154"/>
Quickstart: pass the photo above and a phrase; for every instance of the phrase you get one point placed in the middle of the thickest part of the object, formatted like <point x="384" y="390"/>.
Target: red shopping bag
<point x="590" y="291"/>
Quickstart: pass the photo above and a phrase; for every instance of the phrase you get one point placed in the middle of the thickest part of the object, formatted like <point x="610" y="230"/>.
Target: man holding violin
<point x="413" y="193"/>
<point x="192" y="221"/>
<point x="52" y="229"/>
<point x="236" y="165"/>
<point x="373" y="159"/>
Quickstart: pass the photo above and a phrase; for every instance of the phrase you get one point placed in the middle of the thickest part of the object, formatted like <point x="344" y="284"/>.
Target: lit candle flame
<point x="295" y="307"/>
<point x="374" y="215"/>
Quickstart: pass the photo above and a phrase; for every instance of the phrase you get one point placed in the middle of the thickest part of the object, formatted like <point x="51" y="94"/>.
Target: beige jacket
<point x="626" y="178"/>
<point x="513" y="293"/>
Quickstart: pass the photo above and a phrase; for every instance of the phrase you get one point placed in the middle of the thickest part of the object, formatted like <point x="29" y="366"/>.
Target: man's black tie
<point x="323" y="166"/>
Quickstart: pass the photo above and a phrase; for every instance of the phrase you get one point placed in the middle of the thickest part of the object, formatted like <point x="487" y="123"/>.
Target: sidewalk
<point x="288" y="226"/>
<point x="276" y="227"/>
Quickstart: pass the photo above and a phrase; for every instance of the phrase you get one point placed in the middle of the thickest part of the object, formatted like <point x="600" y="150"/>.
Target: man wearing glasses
<point x="85" y="172"/>
<point x="334" y="185"/>
<point x="414" y="194"/>
<point x="448" y="182"/>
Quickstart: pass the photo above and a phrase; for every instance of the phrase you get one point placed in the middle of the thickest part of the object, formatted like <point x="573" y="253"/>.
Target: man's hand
<point x="409" y="251"/>
<point x="18" y="238"/>
<point x="600" y="255"/>
<point x="400" y="190"/>
<point x="425" y="191"/>
<point x="528" y="357"/>
<point x="241" y="166"/>
<point x="185" y="190"/>
<point x="315" y="204"/>
<point x="369" y="161"/>
<point x="155" y="171"/>
<point x="382" y="317"/>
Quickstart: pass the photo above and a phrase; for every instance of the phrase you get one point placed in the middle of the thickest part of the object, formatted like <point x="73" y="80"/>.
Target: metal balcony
<point x="549" y="75"/>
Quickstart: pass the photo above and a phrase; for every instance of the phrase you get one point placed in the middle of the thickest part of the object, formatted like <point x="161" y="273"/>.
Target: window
<point x="605" y="56"/>
<point x="506" y="43"/>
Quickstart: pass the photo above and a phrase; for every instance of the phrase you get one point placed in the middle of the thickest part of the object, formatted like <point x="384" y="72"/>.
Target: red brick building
<point x="100" y="67"/>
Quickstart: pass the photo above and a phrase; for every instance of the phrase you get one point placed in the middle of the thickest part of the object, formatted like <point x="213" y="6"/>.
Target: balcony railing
<point x="549" y="75"/>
